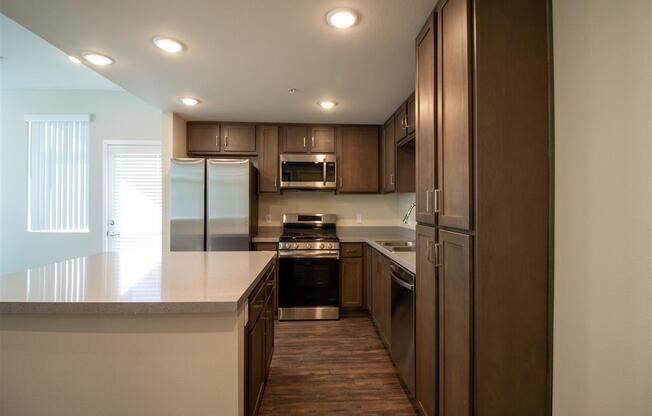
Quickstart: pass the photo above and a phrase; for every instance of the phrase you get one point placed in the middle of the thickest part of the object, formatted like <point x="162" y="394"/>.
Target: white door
<point x="133" y="200"/>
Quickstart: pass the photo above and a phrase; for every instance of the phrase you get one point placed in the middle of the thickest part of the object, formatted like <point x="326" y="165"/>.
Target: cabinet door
<point x="376" y="292"/>
<point x="386" y="300"/>
<point x="255" y="366"/>
<point x="203" y="138"/>
<point x="400" y="127"/>
<point x="455" y="323"/>
<point x="357" y="153"/>
<point x="454" y="130"/>
<point x="426" y="294"/>
<point x="322" y="139"/>
<point x="268" y="171"/>
<point x="351" y="282"/>
<point x="294" y="139"/>
<point x="410" y="114"/>
<point x="369" y="286"/>
<point x="425" y="123"/>
<point x="269" y="332"/>
<point x="239" y="138"/>
<point x="389" y="157"/>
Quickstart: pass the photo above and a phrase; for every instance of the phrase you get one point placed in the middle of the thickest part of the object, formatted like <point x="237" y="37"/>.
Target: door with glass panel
<point x="133" y="210"/>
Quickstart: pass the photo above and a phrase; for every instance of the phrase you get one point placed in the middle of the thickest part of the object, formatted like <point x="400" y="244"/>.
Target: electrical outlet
<point x="268" y="218"/>
<point x="358" y="218"/>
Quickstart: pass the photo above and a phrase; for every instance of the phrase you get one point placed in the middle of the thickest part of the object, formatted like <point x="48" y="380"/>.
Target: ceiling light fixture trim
<point x="168" y="45"/>
<point x="327" y="104"/>
<point x="342" y="18"/>
<point x="189" y="101"/>
<point x="97" y="59"/>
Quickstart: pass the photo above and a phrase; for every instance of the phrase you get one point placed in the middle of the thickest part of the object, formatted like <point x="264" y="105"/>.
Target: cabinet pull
<point x="274" y="181"/>
<point x="438" y="262"/>
<point x="428" y="198"/>
<point x="313" y="141"/>
<point x="406" y="122"/>
<point x="304" y="142"/>
<point x="436" y="198"/>
<point x="391" y="179"/>
<point x="341" y="181"/>
<point x="217" y="141"/>
<point x="226" y="141"/>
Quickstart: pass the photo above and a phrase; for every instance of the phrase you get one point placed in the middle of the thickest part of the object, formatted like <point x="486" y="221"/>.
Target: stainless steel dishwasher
<point x="402" y="345"/>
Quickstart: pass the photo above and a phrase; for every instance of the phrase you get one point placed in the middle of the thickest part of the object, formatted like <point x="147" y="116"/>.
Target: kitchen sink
<point x="398" y="246"/>
<point x="402" y="249"/>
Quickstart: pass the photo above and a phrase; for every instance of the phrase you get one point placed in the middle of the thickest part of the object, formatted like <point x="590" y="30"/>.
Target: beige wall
<point x="603" y="248"/>
<point x="376" y="210"/>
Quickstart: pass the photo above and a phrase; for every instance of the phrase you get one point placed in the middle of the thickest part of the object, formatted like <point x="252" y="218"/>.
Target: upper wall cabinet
<point x="307" y="139"/>
<point x="389" y="157"/>
<point x="425" y="121"/>
<point x="453" y="199"/>
<point x="203" y="138"/>
<point x="358" y="159"/>
<point x="239" y="138"/>
<point x="400" y="122"/>
<point x="268" y="171"/>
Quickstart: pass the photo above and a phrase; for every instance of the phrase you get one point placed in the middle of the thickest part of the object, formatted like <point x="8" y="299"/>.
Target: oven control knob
<point x="330" y="245"/>
<point x="321" y="245"/>
<point x="293" y="245"/>
<point x="307" y="245"/>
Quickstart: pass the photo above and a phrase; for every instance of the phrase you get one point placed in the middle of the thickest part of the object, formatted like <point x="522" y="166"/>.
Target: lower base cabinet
<point x="260" y="340"/>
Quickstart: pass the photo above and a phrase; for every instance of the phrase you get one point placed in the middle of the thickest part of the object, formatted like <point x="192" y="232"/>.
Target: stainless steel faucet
<point x="406" y="218"/>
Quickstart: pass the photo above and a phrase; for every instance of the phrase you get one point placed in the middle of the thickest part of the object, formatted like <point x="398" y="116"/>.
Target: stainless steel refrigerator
<point x="213" y="204"/>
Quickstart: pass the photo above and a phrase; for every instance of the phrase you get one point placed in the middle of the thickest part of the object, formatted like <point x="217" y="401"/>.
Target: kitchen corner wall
<point x="603" y="208"/>
<point x="376" y="210"/>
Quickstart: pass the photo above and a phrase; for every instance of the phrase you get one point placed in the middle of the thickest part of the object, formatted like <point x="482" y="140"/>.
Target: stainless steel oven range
<point x="309" y="256"/>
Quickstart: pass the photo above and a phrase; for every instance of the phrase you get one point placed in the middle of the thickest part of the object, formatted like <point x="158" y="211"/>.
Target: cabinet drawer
<point x="351" y="249"/>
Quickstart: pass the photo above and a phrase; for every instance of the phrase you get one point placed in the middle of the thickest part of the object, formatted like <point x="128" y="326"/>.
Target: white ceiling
<point x="243" y="55"/>
<point x="29" y="62"/>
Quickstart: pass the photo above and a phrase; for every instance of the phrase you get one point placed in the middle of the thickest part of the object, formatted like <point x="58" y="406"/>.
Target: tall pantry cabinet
<point x="483" y="145"/>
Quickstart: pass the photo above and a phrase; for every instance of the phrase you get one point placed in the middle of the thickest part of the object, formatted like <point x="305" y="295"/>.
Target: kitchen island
<point x="136" y="334"/>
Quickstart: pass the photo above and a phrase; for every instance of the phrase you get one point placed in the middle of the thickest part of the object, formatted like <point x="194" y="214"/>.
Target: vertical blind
<point x="58" y="173"/>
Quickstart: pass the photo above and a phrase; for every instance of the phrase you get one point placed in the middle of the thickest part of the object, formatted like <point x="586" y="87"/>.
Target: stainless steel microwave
<point x="308" y="171"/>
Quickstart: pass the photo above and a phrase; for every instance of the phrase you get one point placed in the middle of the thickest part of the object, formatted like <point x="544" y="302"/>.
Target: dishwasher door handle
<point x="402" y="282"/>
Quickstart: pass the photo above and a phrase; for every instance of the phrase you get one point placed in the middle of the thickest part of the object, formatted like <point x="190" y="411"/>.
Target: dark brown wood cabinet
<point x="260" y="340"/>
<point x="400" y="123"/>
<point x="369" y="288"/>
<point x="426" y="326"/>
<point x="455" y="323"/>
<point x="453" y="198"/>
<point x="203" y="138"/>
<point x="426" y="122"/>
<point x="268" y="159"/>
<point x="238" y="138"/>
<point x="410" y="107"/>
<point x="358" y="159"/>
<point x="389" y="157"/>
<point x="351" y="282"/>
<point x="322" y="139"/>
<point x="294" y="139"/>
<point x="265" y="246"/>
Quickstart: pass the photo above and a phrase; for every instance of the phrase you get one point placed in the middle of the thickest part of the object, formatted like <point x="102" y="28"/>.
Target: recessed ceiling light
<point x="167" y="44"/>
<point x="74" y="59"/>
<point x="97" y="59"/>
<point x="327" y="104"/>
<point x="342" y="18"/>
<point x="189" y="101"/>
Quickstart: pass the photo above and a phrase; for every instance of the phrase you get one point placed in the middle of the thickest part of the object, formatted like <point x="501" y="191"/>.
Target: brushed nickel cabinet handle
<point x="226" y="141"/>
<point x="304" y="142"/>
<point x="428" y="197"/>
<point x="438" y="257"/>
<point x="217" y="141"/>
<point x="436" y="200"/>
<point x="391" y="179"/>
<point x="313" y="141"/>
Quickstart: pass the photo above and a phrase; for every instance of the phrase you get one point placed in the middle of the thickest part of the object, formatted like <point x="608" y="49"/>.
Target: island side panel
<point x="167" y="364"/>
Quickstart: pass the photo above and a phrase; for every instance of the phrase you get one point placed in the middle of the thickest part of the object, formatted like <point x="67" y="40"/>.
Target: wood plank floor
<point x="332" y="368"/>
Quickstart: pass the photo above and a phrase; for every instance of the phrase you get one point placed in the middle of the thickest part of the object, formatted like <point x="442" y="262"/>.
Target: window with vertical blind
<point x="58" y="153"/>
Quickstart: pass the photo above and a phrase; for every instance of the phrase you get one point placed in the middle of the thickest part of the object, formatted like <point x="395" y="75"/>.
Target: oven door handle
<point x="309" y="254"/>
<point x="402" y="282"/>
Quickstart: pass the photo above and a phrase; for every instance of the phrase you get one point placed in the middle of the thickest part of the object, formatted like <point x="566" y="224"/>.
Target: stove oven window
<point x="308" y="282"/>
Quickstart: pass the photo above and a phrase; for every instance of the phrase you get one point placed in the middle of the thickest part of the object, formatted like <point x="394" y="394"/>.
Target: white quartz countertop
<point x="180" y="282"/>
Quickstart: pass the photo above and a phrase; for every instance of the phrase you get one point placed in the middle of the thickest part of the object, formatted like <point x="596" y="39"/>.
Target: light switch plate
<point x="358" y="218"/>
